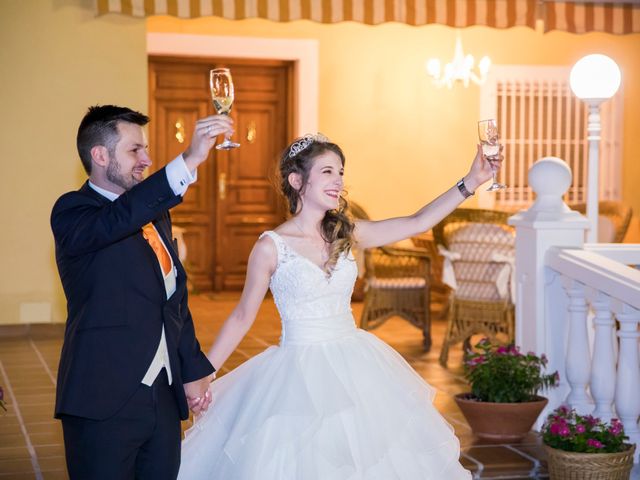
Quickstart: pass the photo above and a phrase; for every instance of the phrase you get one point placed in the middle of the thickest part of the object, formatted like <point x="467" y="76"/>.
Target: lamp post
<point x="594" y="79"/>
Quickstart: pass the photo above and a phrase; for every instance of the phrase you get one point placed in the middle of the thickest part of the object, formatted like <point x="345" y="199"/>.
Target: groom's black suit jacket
<point x="116" y="299"/>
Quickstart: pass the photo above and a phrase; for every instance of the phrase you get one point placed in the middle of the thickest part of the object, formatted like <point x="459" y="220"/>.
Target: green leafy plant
<point x="502" y="374"/>
<point x="566" y="430"/>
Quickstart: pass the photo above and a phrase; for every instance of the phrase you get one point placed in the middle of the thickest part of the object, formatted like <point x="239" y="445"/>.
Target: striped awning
<point x="455" y="13"/>
<point x="583" y="17"/>
<point x="578" y="16"/>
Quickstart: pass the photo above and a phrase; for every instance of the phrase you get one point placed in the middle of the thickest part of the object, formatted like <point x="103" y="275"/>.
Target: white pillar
<point x="578" y="360"/>
<point x="540" y="325"/>
<point x="603" y="363"/>
<point x="628" y="377"/>
<point x="593" y="174"/>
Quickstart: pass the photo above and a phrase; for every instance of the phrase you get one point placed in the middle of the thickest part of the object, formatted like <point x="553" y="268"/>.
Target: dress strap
<point x="279" y="242"/>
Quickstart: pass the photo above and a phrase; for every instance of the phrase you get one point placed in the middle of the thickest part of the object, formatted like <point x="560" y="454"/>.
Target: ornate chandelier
<point x="461" y="68"/>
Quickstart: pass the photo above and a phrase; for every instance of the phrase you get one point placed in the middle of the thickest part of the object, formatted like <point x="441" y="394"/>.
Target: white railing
<point x="582" y="304"/>
<point x="602" y="363"/>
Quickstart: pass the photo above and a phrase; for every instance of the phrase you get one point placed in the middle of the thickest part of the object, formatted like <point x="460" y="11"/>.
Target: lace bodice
<point x="312" y="305"/>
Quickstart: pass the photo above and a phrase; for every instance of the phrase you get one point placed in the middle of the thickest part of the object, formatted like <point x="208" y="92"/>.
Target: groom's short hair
<point x="100" y="127"/>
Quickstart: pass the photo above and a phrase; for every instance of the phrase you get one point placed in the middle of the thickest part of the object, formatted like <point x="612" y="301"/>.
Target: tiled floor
<point x="31" y="440"/>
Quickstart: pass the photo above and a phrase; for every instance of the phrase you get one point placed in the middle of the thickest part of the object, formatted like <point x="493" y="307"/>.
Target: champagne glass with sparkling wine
<point x="489" y="140"/>
<point x="221" y="85"/>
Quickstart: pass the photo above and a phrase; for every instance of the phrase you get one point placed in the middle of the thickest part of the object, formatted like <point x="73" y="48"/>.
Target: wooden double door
<point x="235" y="197"/>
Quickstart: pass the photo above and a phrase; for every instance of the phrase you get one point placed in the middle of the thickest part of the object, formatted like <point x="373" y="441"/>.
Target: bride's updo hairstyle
<point x="298" y="157"/>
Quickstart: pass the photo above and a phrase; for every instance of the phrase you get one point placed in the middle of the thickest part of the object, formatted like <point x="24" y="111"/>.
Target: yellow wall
<point x="405" y="140"/>
<point x="56" y="60"/>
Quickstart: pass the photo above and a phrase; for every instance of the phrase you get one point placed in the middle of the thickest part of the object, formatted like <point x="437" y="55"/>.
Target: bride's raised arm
<point x="376" y="233"/>
<point x="261" y="265"/>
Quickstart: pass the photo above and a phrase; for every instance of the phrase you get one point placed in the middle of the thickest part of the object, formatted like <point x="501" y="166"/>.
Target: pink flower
<point x="591" y="420"/>
<point x="580" y="428"/>
<point x="560" y="428"/>
<point x="616" y="426"/>
<point x="555" y="428"/>
<point x="515" y="351"/>
<point x="594" y="443"/>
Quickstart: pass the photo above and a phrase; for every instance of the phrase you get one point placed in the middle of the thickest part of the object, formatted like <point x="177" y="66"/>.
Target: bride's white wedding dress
<point x="331" y="402"/>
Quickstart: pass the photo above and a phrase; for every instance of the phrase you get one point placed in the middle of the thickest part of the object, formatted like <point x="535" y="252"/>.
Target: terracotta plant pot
<point x="503" y="422"/>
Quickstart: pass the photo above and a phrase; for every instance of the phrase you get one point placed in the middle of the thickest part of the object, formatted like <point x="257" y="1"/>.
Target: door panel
<point x="234" y="199"/>
<point x="194" y="213"/>
<point x="251" y="203"/>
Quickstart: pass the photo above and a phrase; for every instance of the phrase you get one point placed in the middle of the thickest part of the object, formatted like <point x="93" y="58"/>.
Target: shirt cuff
<point x="179" y="176"/>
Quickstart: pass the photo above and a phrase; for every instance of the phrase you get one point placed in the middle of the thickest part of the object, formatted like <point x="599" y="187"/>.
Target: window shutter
<point x="538" y="116"/>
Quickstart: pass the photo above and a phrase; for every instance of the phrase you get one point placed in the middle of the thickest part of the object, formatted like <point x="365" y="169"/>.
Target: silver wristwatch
<point x="463" y="189"/>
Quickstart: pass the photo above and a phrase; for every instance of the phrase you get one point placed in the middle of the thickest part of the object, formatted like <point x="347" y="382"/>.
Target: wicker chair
<point x="481" y="248"/>
<point x="396" y="283"/>
<point x="439" y="291"/>
<point x="614" y="220"/>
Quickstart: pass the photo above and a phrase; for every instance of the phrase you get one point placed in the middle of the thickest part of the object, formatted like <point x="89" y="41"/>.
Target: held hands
<point x="481" y="169"/>
<point x="204" y="138"/>
<point x="198" y="395"/>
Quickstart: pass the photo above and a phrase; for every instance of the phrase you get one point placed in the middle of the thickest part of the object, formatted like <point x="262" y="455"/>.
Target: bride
<point x="331" y="402"/>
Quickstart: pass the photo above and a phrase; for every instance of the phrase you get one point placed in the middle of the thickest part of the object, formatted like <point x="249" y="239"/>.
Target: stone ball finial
<point x="550" y="176"/>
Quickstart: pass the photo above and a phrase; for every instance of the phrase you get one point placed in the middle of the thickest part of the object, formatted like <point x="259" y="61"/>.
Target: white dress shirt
<point x="179" y="178"/>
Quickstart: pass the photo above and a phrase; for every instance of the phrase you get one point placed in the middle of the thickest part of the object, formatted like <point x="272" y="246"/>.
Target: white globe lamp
<point x="594" y="79"/>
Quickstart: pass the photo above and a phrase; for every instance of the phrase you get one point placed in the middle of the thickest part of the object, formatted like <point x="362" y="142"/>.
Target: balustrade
<point x="582" y="307"/>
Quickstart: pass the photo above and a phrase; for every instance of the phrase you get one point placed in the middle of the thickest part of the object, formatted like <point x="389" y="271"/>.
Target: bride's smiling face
<point x="325" y="182"/>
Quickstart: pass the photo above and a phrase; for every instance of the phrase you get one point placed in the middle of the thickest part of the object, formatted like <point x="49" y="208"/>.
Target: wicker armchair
<point x="613" y="222"/>
<point x="480" y="246"/>
<point x="396" y="283"/>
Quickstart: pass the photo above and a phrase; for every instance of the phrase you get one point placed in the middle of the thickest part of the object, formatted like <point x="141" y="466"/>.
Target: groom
<point x="131" y="366"/>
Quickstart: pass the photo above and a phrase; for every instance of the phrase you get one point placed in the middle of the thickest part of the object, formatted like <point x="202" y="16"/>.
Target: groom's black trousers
<point x="141" y="441"/>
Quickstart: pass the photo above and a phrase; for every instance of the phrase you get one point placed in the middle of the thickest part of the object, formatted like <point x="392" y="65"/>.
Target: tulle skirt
<point x="348" y="409"/>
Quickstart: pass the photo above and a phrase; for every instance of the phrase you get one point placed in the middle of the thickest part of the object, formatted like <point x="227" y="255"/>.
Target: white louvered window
<point x="538" y="116"/>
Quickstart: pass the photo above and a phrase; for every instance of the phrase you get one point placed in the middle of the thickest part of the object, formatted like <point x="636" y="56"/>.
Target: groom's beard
<point x="115" y="175"/>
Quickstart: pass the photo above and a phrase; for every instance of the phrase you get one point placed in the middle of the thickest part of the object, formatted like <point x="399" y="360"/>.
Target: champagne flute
<point x="489" y="140"/>
<point x="221" y="85"/>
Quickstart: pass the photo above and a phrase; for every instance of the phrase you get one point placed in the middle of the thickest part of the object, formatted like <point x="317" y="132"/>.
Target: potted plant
<point x="503" y="403"/>
<point x="585" y="447"/>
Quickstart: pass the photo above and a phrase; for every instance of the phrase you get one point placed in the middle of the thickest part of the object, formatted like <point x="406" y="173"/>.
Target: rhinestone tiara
<point x="303" y="142"/>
